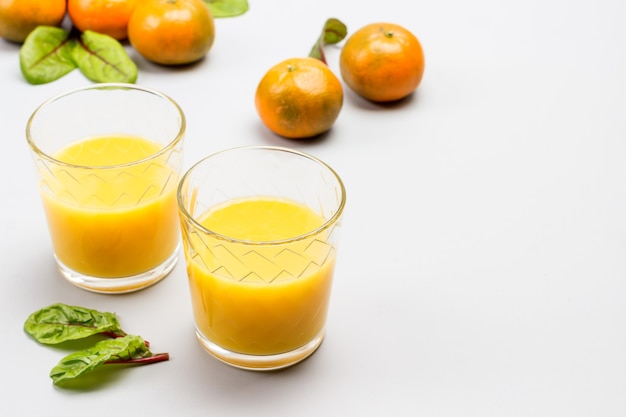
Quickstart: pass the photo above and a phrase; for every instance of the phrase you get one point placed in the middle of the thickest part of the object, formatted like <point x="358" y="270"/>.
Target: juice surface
<point x="111" y="222"/>
<point x="106" y="151"/>
<point x="260" y="299"/>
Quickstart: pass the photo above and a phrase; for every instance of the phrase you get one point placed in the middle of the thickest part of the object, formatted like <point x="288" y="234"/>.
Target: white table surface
<point x="482" y="266"/>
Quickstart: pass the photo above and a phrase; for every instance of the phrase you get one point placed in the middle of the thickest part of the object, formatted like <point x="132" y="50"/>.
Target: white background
<point x="482" y="267"/>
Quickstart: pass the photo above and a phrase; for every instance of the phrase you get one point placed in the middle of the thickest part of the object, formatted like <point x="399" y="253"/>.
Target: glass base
<point x="261" y="362"/>
<point x="119" y="285"/>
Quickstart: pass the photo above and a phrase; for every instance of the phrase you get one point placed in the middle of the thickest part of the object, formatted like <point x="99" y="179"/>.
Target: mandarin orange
<point x="172" y="32"/>
<point x="299" y="98"/>
<point x="20" y="17"/>
<point x="382" y="62"/>
<point x="109" y="17"/>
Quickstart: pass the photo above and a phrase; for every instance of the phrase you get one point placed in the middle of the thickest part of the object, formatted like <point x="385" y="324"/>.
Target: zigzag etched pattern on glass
<point x="279" y="261"/>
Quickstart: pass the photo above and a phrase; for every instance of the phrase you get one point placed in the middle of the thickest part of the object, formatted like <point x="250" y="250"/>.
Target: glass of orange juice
<point x="108" y="160"/>
<point x="260" y="228"/>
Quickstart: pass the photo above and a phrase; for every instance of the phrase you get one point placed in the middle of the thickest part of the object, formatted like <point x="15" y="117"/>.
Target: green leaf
<point x="60" y="323"/>
<point x="102" y="58"/>
<point x="227" y="8"/>
<point x="123" y="349"/>
<point x="45" y="55"/>
<point x="334" y="32"/>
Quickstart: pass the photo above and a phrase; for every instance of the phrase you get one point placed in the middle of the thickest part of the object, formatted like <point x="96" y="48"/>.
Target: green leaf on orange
<point x="334" y="32"/>
<point x="227" y="8"/>
<point x="46" y="55"/>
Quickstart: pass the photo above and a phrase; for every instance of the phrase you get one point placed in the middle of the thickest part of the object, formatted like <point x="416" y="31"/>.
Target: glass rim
<point x="104" y="86"/>
<point x="326" y="225"/>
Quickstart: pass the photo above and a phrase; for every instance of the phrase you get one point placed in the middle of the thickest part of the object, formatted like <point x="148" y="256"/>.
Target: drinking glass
<point x="108" y="159"/>
<point x="260" y="228"/>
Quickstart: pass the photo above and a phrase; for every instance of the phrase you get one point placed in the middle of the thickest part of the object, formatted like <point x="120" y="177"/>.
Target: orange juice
<point x="252" y="294"/>
<point x="111" y="221"/>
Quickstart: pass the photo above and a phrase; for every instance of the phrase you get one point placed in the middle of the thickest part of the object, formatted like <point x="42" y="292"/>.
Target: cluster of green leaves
<point x="49" y="52"/>
<point x="59" y="323"/>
